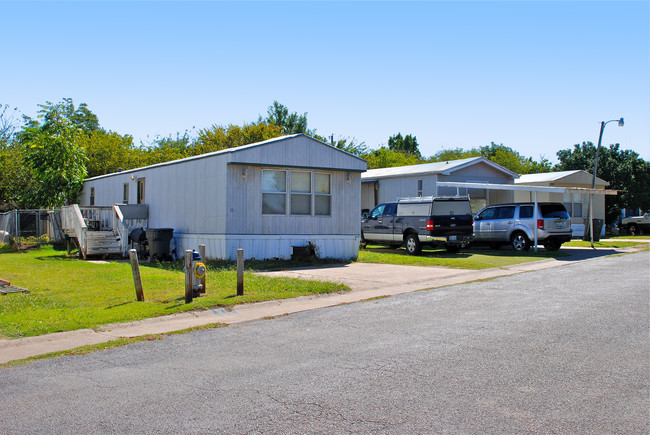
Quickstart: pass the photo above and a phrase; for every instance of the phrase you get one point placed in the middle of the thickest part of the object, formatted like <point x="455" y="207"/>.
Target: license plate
<point x="452" y="238"/>
<point x="560" y="224"/>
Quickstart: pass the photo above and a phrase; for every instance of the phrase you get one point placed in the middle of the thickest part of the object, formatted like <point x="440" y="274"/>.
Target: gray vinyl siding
<point x="244" y="214"/>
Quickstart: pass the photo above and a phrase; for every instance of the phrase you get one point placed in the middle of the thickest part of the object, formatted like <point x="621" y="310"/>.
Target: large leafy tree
<point x="220" y="137"/>
<point x="387" y="158"/>
<point x="511" y="159"/>
<point x="624" y="169"/>
<point x="13" y="179"/>
<point x="107" y="152"/>
<point x="55" y="159"/>
<point x="290" y="123"/>
<point x="407" y="144"/>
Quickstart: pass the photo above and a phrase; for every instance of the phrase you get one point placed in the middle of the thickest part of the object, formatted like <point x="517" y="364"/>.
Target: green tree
<point x="107" y="152"/>
<point x="386" y="158"/>
<point x="291" y="123"/>
<point x="219" y="137"/>
<point x="511" y="159"/>
<point x="56" y="161"/>
<point x="623" y="169"/>
<point x="407" y="144"/>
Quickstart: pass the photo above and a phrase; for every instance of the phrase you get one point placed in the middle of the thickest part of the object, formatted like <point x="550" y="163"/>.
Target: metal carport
<point x="535" y="189"/>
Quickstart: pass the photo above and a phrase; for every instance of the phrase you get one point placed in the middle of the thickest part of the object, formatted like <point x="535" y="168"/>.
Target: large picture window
<point x="301" y="193"/>
<point x="274" y="189"/>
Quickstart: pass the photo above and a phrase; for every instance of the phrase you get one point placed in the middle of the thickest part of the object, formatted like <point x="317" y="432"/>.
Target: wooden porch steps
<point x="103" y="242"/>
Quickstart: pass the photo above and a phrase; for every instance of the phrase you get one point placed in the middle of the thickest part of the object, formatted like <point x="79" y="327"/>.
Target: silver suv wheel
<point x="520" y="242"/>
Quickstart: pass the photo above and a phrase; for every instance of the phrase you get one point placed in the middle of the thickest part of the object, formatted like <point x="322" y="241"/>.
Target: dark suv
<point x="514" y="224"/>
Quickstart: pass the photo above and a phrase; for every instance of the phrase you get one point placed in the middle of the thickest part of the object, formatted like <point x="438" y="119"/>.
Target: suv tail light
<point x="429" y="225"/>
<point x="540" y="224"/>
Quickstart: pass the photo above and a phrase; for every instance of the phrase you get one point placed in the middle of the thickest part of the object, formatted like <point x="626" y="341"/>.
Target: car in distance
<point x="637" y="224"/>
<point x="414" y="222"/>
<point x="513" y="224"/>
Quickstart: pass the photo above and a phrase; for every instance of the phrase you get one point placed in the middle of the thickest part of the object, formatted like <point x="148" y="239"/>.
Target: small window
<point x="323" y="191"/>
<point x="125" y="194"/>
<point x="274" y="189"/>
<point x="140" y="190"/>
<point x="577" y="210"/>
<point x="92" y="196"/>
<point x="419" y="187"/>
<point x="300" y="192"/>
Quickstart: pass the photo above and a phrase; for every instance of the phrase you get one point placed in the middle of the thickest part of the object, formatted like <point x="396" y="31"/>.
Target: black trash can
<point x="158" y="240"/>
<point x="598" y="227"/>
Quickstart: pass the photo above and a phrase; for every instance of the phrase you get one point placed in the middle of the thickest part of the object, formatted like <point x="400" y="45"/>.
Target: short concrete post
<point x="188" y="276"/>
<point x="137" y="281"/>
<point x="202" y="254"/>
<point x="240" y="272"/>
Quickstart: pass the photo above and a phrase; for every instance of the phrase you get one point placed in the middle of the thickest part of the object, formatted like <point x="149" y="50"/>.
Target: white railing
<point x="73" y="224"/>
<point x="120" y="228"/>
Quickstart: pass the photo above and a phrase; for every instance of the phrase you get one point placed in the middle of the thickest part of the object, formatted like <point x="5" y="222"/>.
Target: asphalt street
<point x="561" y="350"/>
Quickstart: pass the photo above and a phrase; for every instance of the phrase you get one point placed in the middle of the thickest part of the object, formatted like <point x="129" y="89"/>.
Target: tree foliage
<point x="219" y="137"/>
<point x="107" y="152"/>
<point x="290" y="123"/>
<point x="407" y="144"/>
<point x="56" y="161"/>
<point x="623" y="169"/>
<point x="387" y="158"/>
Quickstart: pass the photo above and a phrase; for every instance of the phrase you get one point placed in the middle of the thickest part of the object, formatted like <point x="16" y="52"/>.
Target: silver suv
<point x="514" y="224"/>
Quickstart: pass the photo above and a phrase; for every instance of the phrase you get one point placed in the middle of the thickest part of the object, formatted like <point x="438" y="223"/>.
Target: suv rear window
<point x="554" y="211"/>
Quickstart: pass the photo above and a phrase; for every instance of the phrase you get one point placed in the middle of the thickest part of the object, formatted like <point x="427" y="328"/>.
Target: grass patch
<point x="474" y="259"/>
<point x="612" y="243"/>
<point x="67" y="294"/>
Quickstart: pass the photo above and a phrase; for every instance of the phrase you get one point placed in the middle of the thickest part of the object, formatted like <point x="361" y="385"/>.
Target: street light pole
<point x="621" y="122"/>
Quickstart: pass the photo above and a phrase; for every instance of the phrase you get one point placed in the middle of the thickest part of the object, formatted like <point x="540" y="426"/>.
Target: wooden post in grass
<point x="137" y="281"/>
<point x="240" y="272"/>
<point x="202" y="254"/>
<point x="188" y="276"/>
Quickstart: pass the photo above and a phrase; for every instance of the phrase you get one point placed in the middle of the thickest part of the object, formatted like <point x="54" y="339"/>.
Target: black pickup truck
<point x="414" y="222"/>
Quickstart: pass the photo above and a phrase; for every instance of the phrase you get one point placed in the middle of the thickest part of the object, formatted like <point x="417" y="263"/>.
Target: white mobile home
<point x="266" y="198"/>
<point x="386" y="184"/>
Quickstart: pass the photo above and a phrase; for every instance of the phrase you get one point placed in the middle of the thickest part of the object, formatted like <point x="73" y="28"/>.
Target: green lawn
<point x="465" y="259"/>
<point x="67" y="293"/>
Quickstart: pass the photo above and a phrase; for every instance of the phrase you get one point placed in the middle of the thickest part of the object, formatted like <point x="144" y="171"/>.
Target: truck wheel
<point x="452" y="249"/>
<point x="633" y="229"/>
<point x="413" y="245"/>
<point x="519" y="241"/>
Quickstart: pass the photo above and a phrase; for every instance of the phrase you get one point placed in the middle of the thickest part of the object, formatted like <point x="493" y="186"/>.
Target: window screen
<point x="300" y="192"/>
<point x="274" y="188"/>
<point x="323" y="194"/>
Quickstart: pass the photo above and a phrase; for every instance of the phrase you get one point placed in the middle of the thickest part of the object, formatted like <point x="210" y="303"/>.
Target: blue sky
<point x="535" y="76"/>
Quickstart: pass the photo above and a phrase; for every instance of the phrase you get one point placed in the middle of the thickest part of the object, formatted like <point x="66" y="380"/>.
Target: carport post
<point x="240" y="272"/>
<point x="535" y="217"/>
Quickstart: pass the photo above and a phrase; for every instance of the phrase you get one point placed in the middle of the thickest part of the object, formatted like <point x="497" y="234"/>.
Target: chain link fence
<point x="30" y="226"/>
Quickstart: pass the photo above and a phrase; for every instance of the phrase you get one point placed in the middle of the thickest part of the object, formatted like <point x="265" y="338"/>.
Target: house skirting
<point x="263" y="247"/>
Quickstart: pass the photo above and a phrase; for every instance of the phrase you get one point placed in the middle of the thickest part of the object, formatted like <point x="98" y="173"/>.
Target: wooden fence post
<point x="188" y="276"/>
<point x="137" y="281"/>
<point x="202" y="254"/>
<point x="240" y="272"/>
